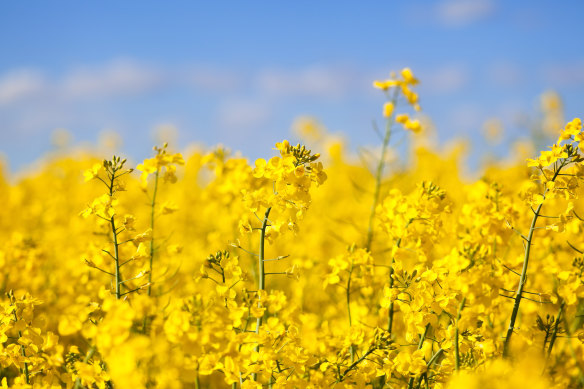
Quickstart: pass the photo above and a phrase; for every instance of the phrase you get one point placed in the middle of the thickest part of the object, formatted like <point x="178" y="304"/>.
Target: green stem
<point x="348" y="297"/>
<point x="391" y="308"/>
<point x="348" y="294"/>
<point x="115" y="237"/>
<point x="391" y="281"/>
<point x="379" y="175"/>
<point x="523" y="278"/>
<point x="579" y="319"/>
<point x="575" y="357"/>
<point x="428" y="366"/>
<point x="456" y="333"/>
<point x="23" y="351"/>
<point x="88" y="356"/>
<point x="262" y="273"/>
<point x="555" y="332"/>
<point x="152" y="209"/>
<point x="420" y="344"/>
<point x="116" y="259"/>
<point x="261" y="267"/>
<point x="435" y="357"/>
<point x="545" y="340"/>
<point x="354" y="364"/>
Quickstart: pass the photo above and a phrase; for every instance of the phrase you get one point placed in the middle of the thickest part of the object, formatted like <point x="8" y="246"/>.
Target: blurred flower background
<point x="124" y="74"/>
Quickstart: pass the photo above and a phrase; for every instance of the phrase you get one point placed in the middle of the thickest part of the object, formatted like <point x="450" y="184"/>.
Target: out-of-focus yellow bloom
<point x="388" y="109"/>
<point x="408" y="76"/>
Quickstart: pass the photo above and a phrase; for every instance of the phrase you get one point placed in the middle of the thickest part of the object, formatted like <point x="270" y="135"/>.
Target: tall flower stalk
<point x="392" y="88"/>
<point x="163" y="164"/>
<point x="560" y="156"/>
<point x="283" y="193"/>
<point x="104" y="207"/>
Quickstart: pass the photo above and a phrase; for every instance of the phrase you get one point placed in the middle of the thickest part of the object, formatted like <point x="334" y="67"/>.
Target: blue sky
<point x="239" y="73"/>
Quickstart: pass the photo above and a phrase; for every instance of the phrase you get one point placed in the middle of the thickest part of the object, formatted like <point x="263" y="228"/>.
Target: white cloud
<point x="115" y="78"/>
<point x="119" y="77"/>
<point x="445" y="79"/>
<point x="211" y="79"/>
<point x="314" y="81"/>
<point x="125" y="77"/>
<point x="237" y="99"/>
<point x="237" y="114"/>
<point x="465" y="119"/>
<point x="19" y="85"/>
<point x="457" y="13"/>
<point x="564" y="74"/>
<point x="505" y="73"/>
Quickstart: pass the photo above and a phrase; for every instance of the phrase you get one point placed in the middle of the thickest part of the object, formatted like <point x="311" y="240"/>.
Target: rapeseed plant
<point x="317" y="278"/>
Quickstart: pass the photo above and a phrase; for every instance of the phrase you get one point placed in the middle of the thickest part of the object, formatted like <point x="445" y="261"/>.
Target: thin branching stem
<point x="262" y="273"/>
<point x="420" y="344"/>
<point x="379" y="174"/>
<point x="354" y="364"/>
<point x="88" y="356"/>
<point x="523" y="278"/>
<point x="555" y="330"/>
<point x="433" y="359"/>
<point x="116" y="257"/>
<point x="574" y="248"/>
<point x="115" y="166"/>
<point x="348" y="296"/>
<point x="391" y="281"/>
<point x="23" y="352"/>
<point x="456" y="335"/>
<point x="152" y="210"/>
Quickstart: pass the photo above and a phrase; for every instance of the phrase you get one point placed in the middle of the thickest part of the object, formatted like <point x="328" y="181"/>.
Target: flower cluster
<point x="283" y="185"/>
<point x="162" y="163"/>
<point x="403" y="86"/>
